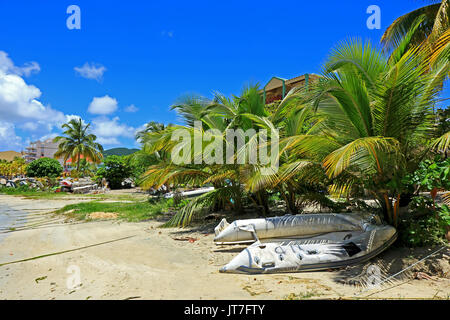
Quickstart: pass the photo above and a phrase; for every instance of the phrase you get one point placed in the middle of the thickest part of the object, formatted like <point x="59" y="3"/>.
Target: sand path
<point x="145" y="262"/>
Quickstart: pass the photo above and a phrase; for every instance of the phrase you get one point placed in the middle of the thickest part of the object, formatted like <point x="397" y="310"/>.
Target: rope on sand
<point x="393" y="276"/>
<point x="65" y="251"/>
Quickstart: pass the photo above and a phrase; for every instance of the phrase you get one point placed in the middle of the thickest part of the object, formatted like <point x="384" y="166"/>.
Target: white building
<point x="41" y="149"/>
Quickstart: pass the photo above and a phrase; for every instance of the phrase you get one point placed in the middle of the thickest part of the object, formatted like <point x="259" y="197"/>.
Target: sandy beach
<point x="121" y="260"/>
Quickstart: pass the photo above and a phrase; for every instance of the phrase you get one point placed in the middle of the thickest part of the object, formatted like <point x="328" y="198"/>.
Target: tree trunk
<point x="262" y="199"/>
<point x="78" y="162"/>
<point x="291" y="200"/>
<point x="237" y="198"/>
<point x="386" y="207"/>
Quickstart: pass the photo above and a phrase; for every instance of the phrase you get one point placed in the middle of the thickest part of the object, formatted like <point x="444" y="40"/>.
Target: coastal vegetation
<point x="358" y="133"/>
<point x="132" y="210"/>
<point x="119" y="152"/>
<point x="44" y="167"/>
<point x="77" y="143"/>
<point x="13" y="168"/>
<point x="371" y="134"/>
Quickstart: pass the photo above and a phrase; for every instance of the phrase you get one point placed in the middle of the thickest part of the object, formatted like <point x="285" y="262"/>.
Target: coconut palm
<point x="429" y="28"/>
<point x="78" y="142"/>
<point x="362" y="128"/>
<point x="216" y="116"/>
<point x="377" y="116"/>
<point x="435" y="21"/>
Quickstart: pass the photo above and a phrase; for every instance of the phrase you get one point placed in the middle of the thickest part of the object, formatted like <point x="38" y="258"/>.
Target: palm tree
<point x="429" y="28"/>
<point x="377" y="119"/>
<point x="435" y="20"/>
<point x="363" y="127"/>
<point x="77" y="142"/>
<point x="220" y="113"/>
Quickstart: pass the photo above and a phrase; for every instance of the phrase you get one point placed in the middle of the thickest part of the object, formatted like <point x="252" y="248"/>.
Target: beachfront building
<point x="277" y="88"/>
<point x="41" y="149"/>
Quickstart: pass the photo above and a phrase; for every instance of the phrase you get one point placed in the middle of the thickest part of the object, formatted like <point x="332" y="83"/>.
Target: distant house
<point x="277" y="88"/>
<point x="41" y="149"/>
<point x="73" y="162"/>
<point x="9" y="155"/>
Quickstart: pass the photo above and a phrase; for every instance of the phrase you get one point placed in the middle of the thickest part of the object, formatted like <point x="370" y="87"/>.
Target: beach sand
<point x="121" y="260"/>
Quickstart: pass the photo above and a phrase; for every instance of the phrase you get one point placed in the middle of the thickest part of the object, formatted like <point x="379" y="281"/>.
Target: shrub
<point x="424" y="226"/>
<point x="431" y="174"/>
<point x="115" y="170"/>
<point x="44" y="167"/>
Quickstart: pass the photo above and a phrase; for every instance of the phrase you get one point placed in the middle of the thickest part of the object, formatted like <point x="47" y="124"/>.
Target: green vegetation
<point x="44" y="167"/>
<point x="115" y="170"/>
<point x="85" y="169"/>
<point x="304" y="295"/>
<point x="358" y="132"/>
<point x="28" y="192"/>
<point x="119" y="152"/>
<point x="130" y="211"/>
<point x="432" y="175"/>
<point x="12" y="168"/>
<point x="424" y="226"/>
<point x="434" y="30"/>
<point x="368" y="129"/>
<point x="77" y="142"/>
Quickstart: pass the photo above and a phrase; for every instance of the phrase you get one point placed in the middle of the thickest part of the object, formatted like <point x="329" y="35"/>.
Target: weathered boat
<point x="304" y="242"/>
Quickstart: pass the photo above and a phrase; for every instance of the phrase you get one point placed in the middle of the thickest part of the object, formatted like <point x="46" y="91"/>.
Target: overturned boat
<point x="304" y="242"/>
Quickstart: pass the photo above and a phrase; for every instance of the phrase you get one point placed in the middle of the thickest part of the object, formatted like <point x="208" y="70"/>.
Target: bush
<point x="44" y="167"/>
<point x="431" y="174"/>
<point x="139" y="163"/>
<point x="424" y="226"/>
<point x="115" y="170"/>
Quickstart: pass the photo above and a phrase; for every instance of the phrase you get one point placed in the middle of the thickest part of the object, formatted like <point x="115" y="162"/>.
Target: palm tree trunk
<point x="262" y="199"/>
<point x="78" y="162"/>
<point x="237" y="197"/>
<point x="387" y="208"/>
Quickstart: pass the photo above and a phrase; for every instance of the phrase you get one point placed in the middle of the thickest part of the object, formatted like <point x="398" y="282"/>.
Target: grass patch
<point x="50" y="194"/>
<point x="31" y="193"/>
<point x="129" y="211"/>
<point x="303" y="295"/>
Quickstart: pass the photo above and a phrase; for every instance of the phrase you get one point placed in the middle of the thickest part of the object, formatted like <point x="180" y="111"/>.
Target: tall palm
<point x="78" y="142"/>
<point x="218" y="114"/>
<point x="378" y="115"/>
<point x="431" y="31"/>
<point x="436" y="20"/>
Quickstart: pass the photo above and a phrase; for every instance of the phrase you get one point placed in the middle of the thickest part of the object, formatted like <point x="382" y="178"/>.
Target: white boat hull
<point x="306" y="252"/>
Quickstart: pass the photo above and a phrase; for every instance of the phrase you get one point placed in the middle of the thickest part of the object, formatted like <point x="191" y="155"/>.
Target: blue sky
<point x="149" y="53"/>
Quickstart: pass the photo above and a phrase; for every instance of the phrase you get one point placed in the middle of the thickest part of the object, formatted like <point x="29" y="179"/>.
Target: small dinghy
<point x="304" y="242"/>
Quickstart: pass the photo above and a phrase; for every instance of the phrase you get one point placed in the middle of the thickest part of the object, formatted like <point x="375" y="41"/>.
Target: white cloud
<point x="73" y="116"/>
<point x="30" y="126"/>
<point x="20" y="106"/>
<point x="103" y="105"/>
<point x="167" y="33"/>
<point x="19" y="101"/>
<point x="49" y="136"/>
<point x="108" y="141"/>
<point x="91" y="71"/>
<point x="108" y="131"/>
<point x="131" y="108"/>
<point x="105" y="127"/>
<point x="8" y="138"/>
<point x="7" y="66"/>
